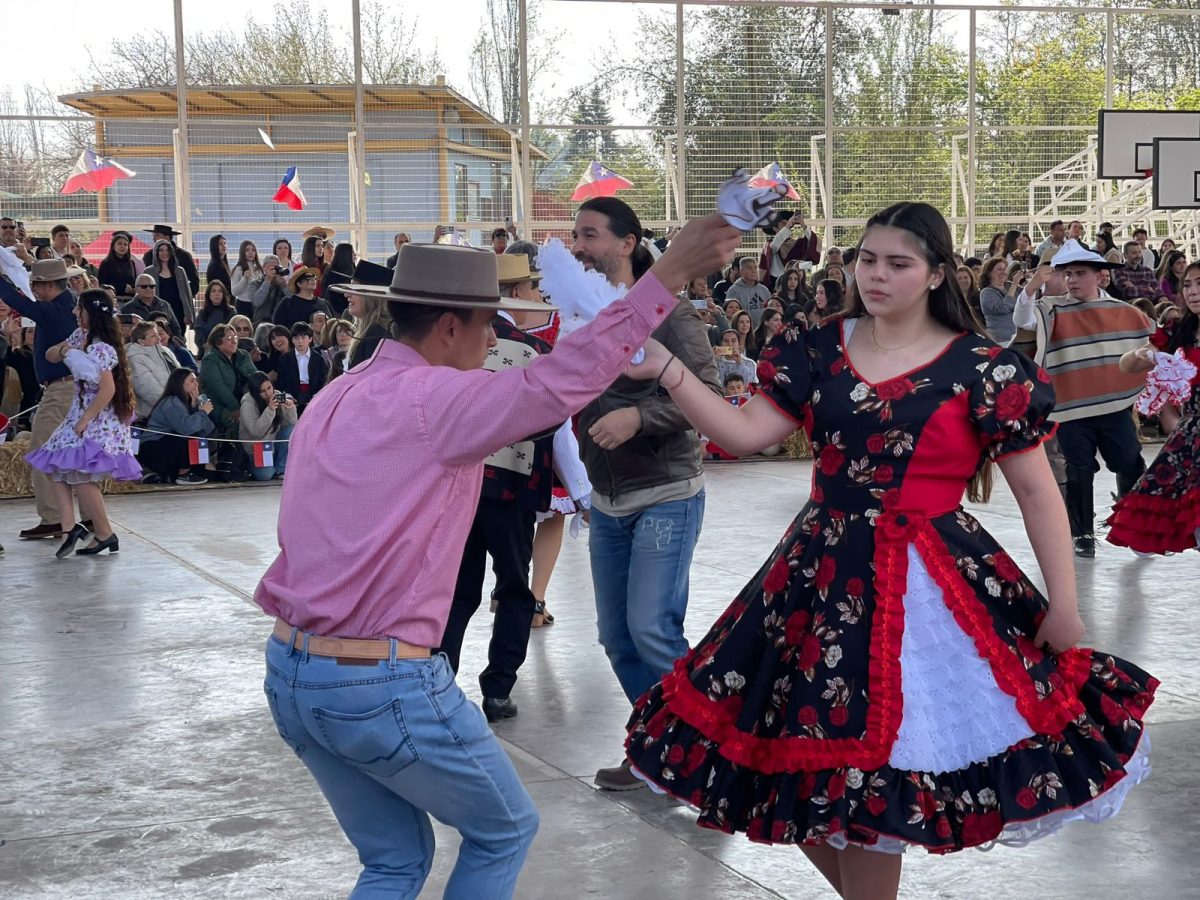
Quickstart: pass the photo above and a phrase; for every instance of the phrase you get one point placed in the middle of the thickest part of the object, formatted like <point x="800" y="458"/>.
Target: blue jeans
<point x="640" y="566"/>
<point x="280" y="452"/>
<point x="392" y="744"/>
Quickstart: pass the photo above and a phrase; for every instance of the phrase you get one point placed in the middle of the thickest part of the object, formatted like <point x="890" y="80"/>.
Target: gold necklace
<point x="875" y="343"/>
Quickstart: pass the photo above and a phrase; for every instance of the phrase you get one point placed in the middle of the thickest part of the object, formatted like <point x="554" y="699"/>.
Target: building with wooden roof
<point x="431" y="157"/>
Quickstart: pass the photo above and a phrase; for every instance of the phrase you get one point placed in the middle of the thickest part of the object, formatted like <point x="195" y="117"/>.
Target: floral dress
<point x="105" y="449"/>
<point x="877" y="681"/>
<point x="1161" y="514"/>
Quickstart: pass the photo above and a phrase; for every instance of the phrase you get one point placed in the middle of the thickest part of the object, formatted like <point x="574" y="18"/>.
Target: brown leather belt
<point x="348" y="648"/>
<point x="57" y="380"/>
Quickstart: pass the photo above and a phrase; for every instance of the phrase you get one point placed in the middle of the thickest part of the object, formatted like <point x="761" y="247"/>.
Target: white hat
<point x="1074" y="253"/>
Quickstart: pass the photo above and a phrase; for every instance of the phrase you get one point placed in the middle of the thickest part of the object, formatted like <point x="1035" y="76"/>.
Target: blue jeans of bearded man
<point x="640" y="565"/>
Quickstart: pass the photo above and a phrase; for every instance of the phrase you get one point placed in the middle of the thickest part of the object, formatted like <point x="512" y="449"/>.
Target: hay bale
<point x="14" y="471"/>
<point x="797" y="446"/>
<point x="16" y="480"/>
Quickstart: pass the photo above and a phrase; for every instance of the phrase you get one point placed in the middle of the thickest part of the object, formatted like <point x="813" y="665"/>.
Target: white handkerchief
<point x="745" y="207"/>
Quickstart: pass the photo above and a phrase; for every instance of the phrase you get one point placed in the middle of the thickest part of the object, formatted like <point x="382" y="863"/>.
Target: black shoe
<point x="153" y="478"/>
<point x="41" y="531"/>
<point x="191" y="478"/>
<point x="496" y="708"/>
<point x="1085" y="546"/>
<point x="110" y="543"/>
<point x="74" y="536"/>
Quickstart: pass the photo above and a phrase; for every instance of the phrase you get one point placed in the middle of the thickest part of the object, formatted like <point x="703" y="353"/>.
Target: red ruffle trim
<point x="1152" y="524"/>
<point x="894" y="531"/>
<point x="790" y="754"/>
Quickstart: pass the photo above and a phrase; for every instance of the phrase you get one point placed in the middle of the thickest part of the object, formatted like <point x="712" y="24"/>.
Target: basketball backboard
<point x="1126" y="138"/>
<point x="1176" y="173"/>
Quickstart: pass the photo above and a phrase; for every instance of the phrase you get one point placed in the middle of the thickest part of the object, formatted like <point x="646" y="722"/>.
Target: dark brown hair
<point x="623" y="221"/>
<point x="412" y="321"/>
<point x="102" y="327"/>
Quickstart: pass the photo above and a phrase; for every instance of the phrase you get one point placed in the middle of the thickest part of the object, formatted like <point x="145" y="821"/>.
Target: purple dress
<point x="105" y="449"/>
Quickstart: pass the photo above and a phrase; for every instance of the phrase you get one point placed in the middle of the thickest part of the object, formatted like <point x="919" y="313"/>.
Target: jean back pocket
<point x="376" y="742"/>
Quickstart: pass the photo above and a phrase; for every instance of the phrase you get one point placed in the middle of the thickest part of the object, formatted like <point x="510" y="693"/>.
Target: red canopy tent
<point x="98" y="249"/>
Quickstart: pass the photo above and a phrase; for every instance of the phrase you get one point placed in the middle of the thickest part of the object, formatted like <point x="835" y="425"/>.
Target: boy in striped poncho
<point x="1079" y="339"/>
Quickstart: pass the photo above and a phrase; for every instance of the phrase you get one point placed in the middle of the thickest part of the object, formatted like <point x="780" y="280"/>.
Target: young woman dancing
<point x="93" y="442"/>
<point x="890" y="678"/>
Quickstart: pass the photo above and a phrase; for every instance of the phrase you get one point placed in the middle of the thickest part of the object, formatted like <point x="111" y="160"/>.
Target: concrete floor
<point x="138" y="760"/>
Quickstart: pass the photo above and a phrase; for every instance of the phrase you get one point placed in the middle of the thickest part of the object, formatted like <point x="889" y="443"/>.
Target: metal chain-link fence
<point x="987" y="112"/>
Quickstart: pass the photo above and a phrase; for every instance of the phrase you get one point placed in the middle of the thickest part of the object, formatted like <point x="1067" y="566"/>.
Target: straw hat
<point x="321" y="231"/>
<point x="302" y="272"/>
<point x="448" y="275"/>
<point x="513" y="268"/>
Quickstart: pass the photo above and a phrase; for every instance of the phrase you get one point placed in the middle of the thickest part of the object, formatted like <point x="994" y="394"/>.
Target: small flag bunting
<point x="264" y="454"/>
<point x="198" y="452"/>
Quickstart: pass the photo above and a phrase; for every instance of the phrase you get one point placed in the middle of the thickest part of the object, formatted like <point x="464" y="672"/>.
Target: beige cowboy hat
<point x="513" y="268"/>
<point x="321" y="231"/>
<point x="48" y="270"/>
<point x="448" y="275"/>
<point x="303" y="272"/>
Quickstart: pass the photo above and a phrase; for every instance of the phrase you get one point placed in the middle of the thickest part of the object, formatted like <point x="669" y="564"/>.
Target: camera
<point x="281" y="397"/>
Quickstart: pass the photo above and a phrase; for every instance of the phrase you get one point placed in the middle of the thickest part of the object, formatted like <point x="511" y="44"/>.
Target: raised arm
<point x="507" y="406"/>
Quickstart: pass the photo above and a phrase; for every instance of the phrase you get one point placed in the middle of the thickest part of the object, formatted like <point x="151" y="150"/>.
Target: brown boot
<point x="618" y="778"/>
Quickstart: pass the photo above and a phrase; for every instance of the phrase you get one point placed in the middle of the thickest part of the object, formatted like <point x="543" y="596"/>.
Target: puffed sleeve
<point x="785" y="373"/>
<point x="104" y="355"/>
<point x="1010" y="403"/>
<point x="1161" y="339"/>
<point x="77" y="339"/>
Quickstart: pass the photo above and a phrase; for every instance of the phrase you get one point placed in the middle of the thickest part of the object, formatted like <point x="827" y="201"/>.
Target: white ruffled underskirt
<point x="955" y="715"/>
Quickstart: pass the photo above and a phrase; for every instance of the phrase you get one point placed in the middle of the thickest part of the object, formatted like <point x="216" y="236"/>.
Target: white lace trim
<point x="954" y="712"/>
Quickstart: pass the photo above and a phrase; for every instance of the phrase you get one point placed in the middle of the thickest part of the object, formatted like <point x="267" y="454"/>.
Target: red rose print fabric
<point x="780" y="722"/>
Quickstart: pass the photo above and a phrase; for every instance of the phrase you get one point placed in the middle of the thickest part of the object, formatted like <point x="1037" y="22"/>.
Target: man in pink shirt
<point x="384" y="472"/>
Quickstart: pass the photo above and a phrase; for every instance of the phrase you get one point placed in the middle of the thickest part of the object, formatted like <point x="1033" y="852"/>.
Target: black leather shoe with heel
<point x="74" y="536"/>
<point x="110" y="543"/>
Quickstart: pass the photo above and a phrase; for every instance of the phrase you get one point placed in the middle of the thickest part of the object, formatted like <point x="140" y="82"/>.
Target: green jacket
<point x="224" y="380"/>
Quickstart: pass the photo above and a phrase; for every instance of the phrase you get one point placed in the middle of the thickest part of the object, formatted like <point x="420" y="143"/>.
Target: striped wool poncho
<point x="1080" y="343"/>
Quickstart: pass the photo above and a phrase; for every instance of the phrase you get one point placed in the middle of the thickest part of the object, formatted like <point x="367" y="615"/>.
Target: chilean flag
<point x="771" y="175"/>
<point x="289" y="191"/>
<point x="264" y="454"/>
<point x="597" y="181"/>
<point x="94" y="173"/>
<point x="198" y="452"/>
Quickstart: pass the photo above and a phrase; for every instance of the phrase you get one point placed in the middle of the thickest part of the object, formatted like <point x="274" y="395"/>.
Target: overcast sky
<point x="588" y="32"/>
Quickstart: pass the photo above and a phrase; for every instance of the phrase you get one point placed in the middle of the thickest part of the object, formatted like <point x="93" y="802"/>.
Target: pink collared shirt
<point x="385" y="469"/>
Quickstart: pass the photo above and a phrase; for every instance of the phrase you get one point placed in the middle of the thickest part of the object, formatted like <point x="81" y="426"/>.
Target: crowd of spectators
<point x="235" y="356"/>
<point x="239" y="354"/>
